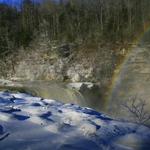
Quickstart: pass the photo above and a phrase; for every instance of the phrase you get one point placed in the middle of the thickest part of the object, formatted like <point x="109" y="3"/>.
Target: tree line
<point x="72" y="20"/>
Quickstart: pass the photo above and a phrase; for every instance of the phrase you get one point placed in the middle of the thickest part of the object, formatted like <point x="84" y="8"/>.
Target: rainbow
<point x="136" y="42"/>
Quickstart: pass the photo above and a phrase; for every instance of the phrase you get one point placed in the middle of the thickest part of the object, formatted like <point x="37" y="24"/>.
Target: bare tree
<point x="137" y="108"/>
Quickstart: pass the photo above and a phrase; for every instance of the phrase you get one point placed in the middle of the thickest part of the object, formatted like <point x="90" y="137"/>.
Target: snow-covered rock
<point x="78" y="85"/>
<point x="32" y="123"/>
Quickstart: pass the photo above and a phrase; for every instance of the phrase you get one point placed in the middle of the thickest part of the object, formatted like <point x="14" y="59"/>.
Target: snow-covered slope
<point x="32" y="123"/>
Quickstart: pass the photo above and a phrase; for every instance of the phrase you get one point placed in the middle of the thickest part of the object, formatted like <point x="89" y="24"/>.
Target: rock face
<point x="47" y="60"/>
<point x="134" y="79"/>
<point x="55" y="63"/>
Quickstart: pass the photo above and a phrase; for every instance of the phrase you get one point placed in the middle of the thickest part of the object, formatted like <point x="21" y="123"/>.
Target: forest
<point x="87" y="21"/>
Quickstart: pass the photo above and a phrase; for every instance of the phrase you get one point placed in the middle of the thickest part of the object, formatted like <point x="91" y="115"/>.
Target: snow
<point x="33" y="123"/>
<point x="87" y="129"/>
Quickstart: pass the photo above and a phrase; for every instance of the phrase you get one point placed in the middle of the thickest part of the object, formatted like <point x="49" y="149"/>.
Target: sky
<point x="11" y="2"/>
<point x="18" y="2"/>
<point x="14" y="2"/>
